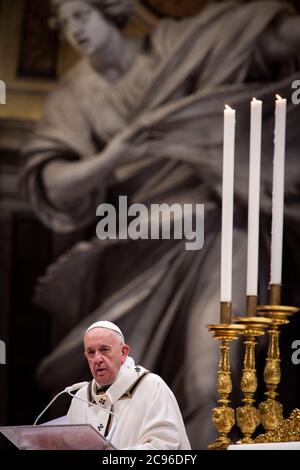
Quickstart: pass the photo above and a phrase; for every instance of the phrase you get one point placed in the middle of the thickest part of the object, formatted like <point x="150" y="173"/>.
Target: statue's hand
<point x="128" y="145"/>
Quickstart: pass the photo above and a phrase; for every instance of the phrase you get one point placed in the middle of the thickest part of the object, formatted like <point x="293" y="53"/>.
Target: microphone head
<point x="73" y="387"/>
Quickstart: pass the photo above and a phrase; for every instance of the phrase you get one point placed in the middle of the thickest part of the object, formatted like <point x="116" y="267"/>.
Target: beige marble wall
<point x="25" y="97"/>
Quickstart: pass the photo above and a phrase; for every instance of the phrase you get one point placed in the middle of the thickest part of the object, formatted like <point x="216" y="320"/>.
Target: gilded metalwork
<point x="288" y="430"/>
<point x="248" y="419"/>
<point x="223" y="414"/>
<point x="271" y="411"/>
<point x="223" y="419"/>
<point x="247" y="416"/>
<point x="271" y="414"/>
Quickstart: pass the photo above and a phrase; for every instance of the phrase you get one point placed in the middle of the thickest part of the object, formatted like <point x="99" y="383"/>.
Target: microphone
<point x="112" y="431"/>
<point x="66" y="390"/>
<point x="75" y="387"/>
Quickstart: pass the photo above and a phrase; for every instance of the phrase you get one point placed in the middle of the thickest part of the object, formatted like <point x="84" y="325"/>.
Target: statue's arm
<point x="68" y="181"/>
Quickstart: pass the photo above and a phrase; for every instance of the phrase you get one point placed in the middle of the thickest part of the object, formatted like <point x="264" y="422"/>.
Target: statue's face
<point x="84" y="26"/>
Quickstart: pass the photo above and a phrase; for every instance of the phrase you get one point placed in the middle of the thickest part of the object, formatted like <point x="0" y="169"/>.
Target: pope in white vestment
<point x="137" y="411"/>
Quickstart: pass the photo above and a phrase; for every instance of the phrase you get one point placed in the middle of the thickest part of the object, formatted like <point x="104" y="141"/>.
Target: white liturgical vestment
<point x="138" y="411"/>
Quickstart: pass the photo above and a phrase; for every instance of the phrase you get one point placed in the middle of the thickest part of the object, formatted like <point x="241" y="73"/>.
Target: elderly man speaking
<point x="132" y="407"/>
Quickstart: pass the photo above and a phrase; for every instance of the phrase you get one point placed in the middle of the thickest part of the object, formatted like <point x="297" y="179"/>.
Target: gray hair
<point x="116" y="11"/>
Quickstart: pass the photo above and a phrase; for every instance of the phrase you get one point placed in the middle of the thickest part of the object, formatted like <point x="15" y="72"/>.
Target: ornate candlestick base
<point x="223" y="414"/>
<point x="271" y="414"/>
<point x="247" y="416"/>
<point x="289" y="430"/>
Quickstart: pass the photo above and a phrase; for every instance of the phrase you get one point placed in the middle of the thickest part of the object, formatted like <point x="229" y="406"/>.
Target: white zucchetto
<point x="105" y="324"/>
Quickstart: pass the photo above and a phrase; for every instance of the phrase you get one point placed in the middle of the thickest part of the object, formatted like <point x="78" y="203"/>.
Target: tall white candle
<point x="227" y="204"/>
<point x="253" y="196"/>
<point x="278" y="190"/>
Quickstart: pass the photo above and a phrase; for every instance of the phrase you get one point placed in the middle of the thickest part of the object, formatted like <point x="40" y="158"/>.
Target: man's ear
<point x="125" y="352"/>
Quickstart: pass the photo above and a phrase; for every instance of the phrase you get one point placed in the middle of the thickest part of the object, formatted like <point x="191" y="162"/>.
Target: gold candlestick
<point x="226" y="308"/>
<point x="271" y="412"/>
<point x="275" y="294"/>
<point x="251" y="305"/>
<point x="247" y="416"/>
<point x="223" y="414"/>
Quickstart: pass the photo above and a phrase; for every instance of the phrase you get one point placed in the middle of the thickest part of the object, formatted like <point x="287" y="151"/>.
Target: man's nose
<point x="98" y="356"/>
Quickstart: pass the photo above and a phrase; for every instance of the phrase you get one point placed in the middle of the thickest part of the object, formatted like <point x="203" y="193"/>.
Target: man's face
<point x="105" y="354"/>
<point x="84" y="26"/>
